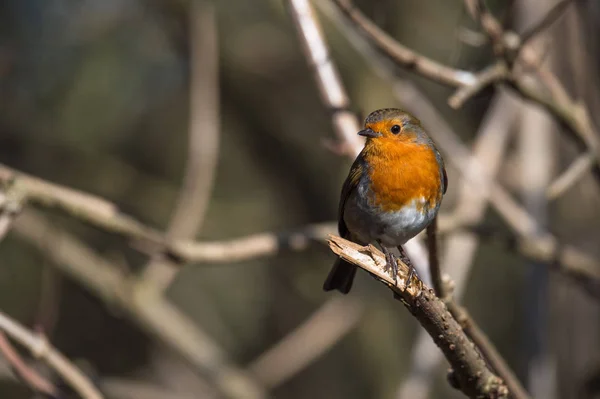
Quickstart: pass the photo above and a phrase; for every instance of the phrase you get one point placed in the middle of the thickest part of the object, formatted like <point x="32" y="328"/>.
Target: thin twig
<point x="252" y="246"/>
<point x="470" y="372"/>
<point x="479" y="11"/>
<point x="345" y="122"/>
<point x="119" y="388"/>
<point x="203" y="147"/>
<point x="41" y="349"/>
<point x="27" y="374"/>
<point x="570" y="176"/>
<point x="87" y="208"/>
<point x="492" y="74"/>
<point x="551" y="16"/>
<point x="404" y="56"/>
<point x="308" y="341"/>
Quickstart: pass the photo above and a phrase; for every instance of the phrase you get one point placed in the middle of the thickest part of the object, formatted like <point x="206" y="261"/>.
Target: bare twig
<point x="41" y="349"/>
<point x="470" y="372"/>
<point x="551" y="16"/>
<point x="85" y="207"/>
<point x="308" y="341"/>
<point x="204" y="126"/>
<point x="489" y="23"/>
<point x="118" y="388"/>
<point x="203" y="140"/>
<point x="27" y="374"/>
<point x="404" y="56"/>
<point x="334" y="95"/>
<point x="492" y="74"/>
<point x="252" y="246"/>
<point x="570" y="176"/>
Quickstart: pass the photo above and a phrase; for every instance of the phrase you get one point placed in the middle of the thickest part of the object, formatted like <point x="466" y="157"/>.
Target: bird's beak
<point x="369" y="133"/>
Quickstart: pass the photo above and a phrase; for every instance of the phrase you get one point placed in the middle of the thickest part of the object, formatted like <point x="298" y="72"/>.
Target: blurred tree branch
<point x="203" y="148"/>
<point x="142" y="302"/>
<point x="572" y="115"/>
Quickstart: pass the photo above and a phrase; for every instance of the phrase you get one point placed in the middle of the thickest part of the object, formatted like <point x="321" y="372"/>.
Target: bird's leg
<point x="391" y="262"/>
<point x="406" y="260"/>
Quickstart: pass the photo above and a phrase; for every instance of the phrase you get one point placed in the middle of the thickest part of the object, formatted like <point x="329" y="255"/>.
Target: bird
<point x="393" y="191"/>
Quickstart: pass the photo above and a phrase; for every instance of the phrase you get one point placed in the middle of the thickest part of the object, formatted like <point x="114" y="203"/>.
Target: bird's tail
<point x="340" y="277"/>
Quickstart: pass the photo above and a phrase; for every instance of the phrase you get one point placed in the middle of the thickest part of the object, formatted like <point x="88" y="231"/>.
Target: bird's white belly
<point x="392" y="228"/>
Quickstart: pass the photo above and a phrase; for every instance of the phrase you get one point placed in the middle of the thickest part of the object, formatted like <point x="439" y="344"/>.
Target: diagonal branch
<point x="470" y="372"/>
<point x="402" y="55"/>
<point x="27" y="374"/>
<point x="487" y="348"/>
<point x="345" y="122"/>
<point x="551" y="16"/>
<point x="570" y="114"/>
<point x="42" y="349"/>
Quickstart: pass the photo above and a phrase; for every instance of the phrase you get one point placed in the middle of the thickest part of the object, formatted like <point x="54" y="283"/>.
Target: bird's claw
<point x="391" y="265"/>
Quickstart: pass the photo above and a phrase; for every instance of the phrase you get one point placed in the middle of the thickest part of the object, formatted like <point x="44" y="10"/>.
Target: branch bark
<point x="470" y="372"/>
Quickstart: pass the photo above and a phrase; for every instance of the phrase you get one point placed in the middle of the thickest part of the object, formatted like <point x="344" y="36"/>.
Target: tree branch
<point x="487" y="348"/>
<point x="471" y="373"/>
<point x="345" y="122"/>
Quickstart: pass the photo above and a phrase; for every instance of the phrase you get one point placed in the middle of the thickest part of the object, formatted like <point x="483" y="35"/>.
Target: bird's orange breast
<point x="401" y="172"/>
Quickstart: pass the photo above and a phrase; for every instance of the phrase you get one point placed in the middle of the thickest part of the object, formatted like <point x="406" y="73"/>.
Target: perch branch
<point x="487" y="348"/>
<point x="471" y="374"/>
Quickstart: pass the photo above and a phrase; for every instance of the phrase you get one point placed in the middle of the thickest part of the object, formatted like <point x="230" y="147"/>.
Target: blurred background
<point x="104" y="97"/>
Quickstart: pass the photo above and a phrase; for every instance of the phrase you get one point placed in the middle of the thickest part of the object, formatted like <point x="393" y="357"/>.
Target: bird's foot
<point x="412" y="272"/>
<point x="391" y="264"/>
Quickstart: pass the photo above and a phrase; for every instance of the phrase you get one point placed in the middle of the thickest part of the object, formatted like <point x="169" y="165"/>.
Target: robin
<point x="393" y="191"/>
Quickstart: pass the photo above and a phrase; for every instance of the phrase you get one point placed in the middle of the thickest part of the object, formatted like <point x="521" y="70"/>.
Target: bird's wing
<point x="356" y="170"/>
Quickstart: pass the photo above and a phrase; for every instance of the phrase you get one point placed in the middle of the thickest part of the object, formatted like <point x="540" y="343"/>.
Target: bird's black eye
<point x="395" y="129"/>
